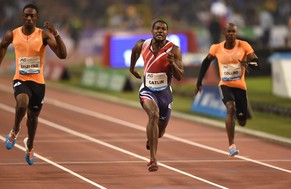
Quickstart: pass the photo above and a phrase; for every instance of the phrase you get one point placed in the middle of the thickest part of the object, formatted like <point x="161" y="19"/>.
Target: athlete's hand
<point x="136" y="74"/>
<point x="244" y="64"/>
<point x="51" y="28"/>
<point x="198" y="88"/>
<point x="170" y="58"/>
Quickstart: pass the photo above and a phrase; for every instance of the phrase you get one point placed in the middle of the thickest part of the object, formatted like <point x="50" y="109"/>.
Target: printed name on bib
<point x="29" y="65"/>
<point x="231" y="72"/>
<point x="156" y="81"/>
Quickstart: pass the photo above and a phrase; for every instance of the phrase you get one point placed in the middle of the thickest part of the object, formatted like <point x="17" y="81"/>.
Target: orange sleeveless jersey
<point x="230" y="71"/>
<point x="29" y="53"/>
<point x="158" y="63"/>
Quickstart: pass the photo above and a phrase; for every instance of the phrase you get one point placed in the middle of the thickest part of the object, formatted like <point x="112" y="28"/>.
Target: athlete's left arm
<point x="54" y="40"/>
<point x="253" y="61"/>
<point x="175" y="61"/>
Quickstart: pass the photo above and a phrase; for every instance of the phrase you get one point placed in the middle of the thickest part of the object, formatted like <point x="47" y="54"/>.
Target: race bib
<point x="156" y="81"/>
<point x="29" y="65"/>
<point x="231" y="72"/>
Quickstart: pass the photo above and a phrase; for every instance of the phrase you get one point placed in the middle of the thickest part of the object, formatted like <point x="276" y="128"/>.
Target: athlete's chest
<point x="232" y="56"/>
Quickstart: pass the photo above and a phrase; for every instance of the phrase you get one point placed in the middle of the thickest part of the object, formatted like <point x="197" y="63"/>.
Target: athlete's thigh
<point x="165" y="103"/>
<point x="226" y="94"/>
<point x="241" y="104"/>
<point x="20" y="87"/>
<point x="148" y="100"/>
<point x="37" y="98"/>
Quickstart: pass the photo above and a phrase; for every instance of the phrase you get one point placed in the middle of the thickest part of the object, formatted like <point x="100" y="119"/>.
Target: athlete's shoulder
<point x="215" y="46"/>
<point x="243" y="42"/>
<point x="245" y="45"/>
<point x="145" y="42"/>
<point x="38" y="29"/>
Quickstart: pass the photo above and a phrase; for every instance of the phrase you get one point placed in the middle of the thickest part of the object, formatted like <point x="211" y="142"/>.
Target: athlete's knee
<point x="32" y="115"/>
<point x="153" y="115"/>
<point x="230" y="107"/>
<point x="21" y="109"/>
<point x="22" y="102"/>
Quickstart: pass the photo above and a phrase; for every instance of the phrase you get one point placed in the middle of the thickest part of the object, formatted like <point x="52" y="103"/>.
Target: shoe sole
<point x="234" y="154"/>
<point x="153" y="168"/>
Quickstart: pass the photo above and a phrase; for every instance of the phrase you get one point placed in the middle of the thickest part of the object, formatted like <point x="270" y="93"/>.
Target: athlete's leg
<point x="241" y="104"/>
<point x="22" y="101"/>
<point x="229" y="121"/>
<point x="152" y="129"/>
<point x="162" y="128"/>
<point x="32" y="121"/>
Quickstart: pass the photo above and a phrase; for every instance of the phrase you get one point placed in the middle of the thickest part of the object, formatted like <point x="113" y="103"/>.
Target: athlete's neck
<point x="229" y="44"/>
<point x="27" y="30"/>
<point x="157" y="45"/>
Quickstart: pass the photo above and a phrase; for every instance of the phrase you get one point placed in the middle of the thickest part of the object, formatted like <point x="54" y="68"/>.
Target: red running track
<point x="84" y="142"/>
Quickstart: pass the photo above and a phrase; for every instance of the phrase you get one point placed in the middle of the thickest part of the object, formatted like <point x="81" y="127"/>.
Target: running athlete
<point x="162" y="61"/>
<point x="234" y="57"/>
<point x="28" y="83"/>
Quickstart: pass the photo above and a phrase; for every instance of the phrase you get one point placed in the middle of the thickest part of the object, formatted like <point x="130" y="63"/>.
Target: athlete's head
<point x="230" y="32"/>
<point x="160" y="30"/>
<point x="30" y="15"/>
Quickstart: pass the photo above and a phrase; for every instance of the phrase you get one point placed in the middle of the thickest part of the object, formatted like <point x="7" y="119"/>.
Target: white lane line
<point x="142" y="128"/>
<point x="9" y="109"/>
<point x="136" y="162"/>
<point x="86" y="137"/>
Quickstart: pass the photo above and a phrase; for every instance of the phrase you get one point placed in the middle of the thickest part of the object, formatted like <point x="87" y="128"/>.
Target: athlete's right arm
<point x="135" y="53"/>
<point x="204" y="67"/>
<point x="6" y="41"/>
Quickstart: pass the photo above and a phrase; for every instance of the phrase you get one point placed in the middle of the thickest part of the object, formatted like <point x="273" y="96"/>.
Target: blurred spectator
<point x="132" y="18"/>
<point x="115" y="15"/>
<point x="266" y="24"/>
<point x="215" y="29"/>
<point x="75" y="28"/>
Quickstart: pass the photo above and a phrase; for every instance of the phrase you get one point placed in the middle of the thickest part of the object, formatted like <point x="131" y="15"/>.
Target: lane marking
<point x="139" y="162"/>
<point x="9" y="109"/>
<point x="142" y="128"/>
<point x="86" y="137"/>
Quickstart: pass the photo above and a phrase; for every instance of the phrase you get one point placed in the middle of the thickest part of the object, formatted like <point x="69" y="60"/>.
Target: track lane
<point x="117" y="170"/>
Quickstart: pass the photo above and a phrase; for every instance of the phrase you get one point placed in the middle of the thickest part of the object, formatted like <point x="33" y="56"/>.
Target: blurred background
<point x="99" y="35"/>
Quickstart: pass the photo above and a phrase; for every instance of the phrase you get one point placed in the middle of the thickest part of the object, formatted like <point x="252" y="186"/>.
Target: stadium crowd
<point x="75" y="16"/>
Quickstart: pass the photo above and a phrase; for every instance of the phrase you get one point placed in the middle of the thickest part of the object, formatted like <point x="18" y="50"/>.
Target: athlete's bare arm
<point x="6" y="41"/>
<point x="135" y="53"/>
<point x="54" y="40"/>
<point x="175" y="60"/>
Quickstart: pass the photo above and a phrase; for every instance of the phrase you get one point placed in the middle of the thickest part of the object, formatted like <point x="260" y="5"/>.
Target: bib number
<point x="231" y="72"/>
<point x="156" y="81"/>
<point x="29" y="65"/>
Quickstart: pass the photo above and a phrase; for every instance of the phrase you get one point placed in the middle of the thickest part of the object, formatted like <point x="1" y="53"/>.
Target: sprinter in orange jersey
<point x="162" y="61"/>
<point x="28" y="83"/>
<point x="234" y="57"/>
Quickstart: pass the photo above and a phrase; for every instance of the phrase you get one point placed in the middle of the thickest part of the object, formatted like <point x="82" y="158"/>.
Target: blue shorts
<point x="164" y="100"/>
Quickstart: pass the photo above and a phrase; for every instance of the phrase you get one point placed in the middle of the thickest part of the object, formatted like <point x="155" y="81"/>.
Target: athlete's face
<point x="160" y="31"/>
<point x="230" y="33"/>
<point x="29" y="17"/>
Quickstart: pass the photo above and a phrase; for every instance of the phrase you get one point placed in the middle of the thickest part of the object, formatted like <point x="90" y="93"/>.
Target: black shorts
<point x="35" y="92"/>
<point x="164" y="100"/>
<point x="239" y="96"/>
